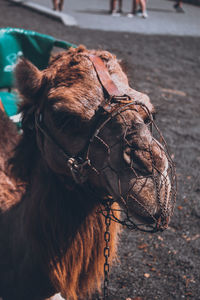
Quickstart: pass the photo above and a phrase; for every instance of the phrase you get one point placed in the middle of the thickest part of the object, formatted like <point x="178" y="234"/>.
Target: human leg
<point x="113" y="6"/>
<point x="120" y="6"/>
<point x="178" y="6"/>
<point x="135" y="4"/>
<point x="143" y="8"/>
<point x="60" y="6"/>
<point x="55" y="4"/>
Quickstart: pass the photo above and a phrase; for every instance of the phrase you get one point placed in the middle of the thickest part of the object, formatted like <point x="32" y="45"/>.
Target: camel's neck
<point x="54" y="230"/>
<point x="53" y="210"/>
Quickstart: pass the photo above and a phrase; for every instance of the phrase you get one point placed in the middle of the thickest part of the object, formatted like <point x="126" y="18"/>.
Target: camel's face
<point x="125" y="159"/>
<point x="134" y="167"/>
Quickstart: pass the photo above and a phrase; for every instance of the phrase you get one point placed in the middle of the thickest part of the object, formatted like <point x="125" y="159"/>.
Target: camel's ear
<point x="28" y="78"/>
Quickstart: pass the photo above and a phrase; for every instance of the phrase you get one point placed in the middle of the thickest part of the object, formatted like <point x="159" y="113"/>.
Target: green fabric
<point x="15" y="42"/>
<point x="9" y="101"/>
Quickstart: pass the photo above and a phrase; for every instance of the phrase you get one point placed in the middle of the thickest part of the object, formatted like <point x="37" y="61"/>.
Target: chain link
<point x="107" y="249"/>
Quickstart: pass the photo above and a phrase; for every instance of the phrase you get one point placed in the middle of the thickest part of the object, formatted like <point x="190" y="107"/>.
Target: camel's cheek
<point x="54" y="158"/>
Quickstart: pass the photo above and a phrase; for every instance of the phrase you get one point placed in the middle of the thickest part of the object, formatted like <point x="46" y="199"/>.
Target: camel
<point x="86" y="154"/>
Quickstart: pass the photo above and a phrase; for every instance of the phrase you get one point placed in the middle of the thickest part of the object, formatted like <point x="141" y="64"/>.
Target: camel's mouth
<point x="146" y="203"/>
<point x="152" y="223"/>
<point x="141" y="219"/>
<point x="153" y="217"/>
<point x="134" y="220"/>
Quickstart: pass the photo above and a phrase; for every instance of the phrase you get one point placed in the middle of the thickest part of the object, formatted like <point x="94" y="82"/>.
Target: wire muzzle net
<point x="143" y="173"/>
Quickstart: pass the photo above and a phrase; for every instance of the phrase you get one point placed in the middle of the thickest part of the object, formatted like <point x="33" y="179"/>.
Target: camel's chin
<point x="144" y="219"/>
<point x="139" y="207"/>
<point x="143" y="202"/>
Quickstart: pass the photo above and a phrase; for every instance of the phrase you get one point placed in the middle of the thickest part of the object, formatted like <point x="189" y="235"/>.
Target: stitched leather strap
<point x="1" y="106"/>
<point x="104" y="76"/>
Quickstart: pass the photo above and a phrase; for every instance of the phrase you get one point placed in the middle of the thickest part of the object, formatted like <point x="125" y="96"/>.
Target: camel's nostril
<point x="142" y="162"/>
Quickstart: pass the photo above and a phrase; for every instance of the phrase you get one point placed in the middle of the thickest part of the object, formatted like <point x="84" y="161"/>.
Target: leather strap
<point x="1" y="106"/>
<point x="104" y="76"/>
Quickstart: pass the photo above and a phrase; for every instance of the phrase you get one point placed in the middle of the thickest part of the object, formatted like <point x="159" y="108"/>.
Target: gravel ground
<point x="160" y="266"/>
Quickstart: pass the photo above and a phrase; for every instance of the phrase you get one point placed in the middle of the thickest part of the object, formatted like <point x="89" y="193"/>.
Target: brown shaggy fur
<point x="51" y="234"/>
<point x="9" y="194"/>
<point x="63" y="230"/>
<point x="67" y="236"/>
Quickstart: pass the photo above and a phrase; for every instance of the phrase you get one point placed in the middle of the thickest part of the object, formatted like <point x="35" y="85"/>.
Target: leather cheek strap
<point x="104" y="76"/>
<point x="1" y="105"/>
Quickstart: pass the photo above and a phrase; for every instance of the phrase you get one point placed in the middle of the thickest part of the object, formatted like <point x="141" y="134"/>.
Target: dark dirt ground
<point x="162" y="266"/>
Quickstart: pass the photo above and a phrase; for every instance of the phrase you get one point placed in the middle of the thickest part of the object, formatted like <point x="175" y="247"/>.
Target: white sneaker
<point x="130" y="15"/>
<point x="116" y="14"/>
<point x="144" y="15"/>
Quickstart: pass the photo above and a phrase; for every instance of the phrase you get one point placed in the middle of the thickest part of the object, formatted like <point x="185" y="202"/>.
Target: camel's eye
<point x="61" y="119"/>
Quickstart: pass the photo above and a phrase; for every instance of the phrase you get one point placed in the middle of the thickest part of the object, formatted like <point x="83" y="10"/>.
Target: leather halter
<point x="1" y="106"/>
<point x="111" y="105"/>
<point x="104" y="76"/>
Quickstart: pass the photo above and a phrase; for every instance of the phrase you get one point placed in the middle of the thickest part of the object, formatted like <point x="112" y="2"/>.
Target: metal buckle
<point x="78" y="170"/>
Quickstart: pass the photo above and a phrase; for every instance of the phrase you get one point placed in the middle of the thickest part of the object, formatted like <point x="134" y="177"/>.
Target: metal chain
<point x="107" y="249"/>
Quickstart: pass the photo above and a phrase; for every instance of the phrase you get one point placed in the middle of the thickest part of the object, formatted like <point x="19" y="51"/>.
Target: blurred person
<point x="141" y="12"/>
<point x="113" y="8"/>
<point x="58" y="4"/>
<point x="178" y="6"/>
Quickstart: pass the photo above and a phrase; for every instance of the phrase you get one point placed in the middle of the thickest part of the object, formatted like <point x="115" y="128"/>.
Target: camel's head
<point x="87" y="131"/>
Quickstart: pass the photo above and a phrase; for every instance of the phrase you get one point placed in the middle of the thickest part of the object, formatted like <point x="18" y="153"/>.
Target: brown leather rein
<point x="104" y="76"/>
<point x="1" y="106"/>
